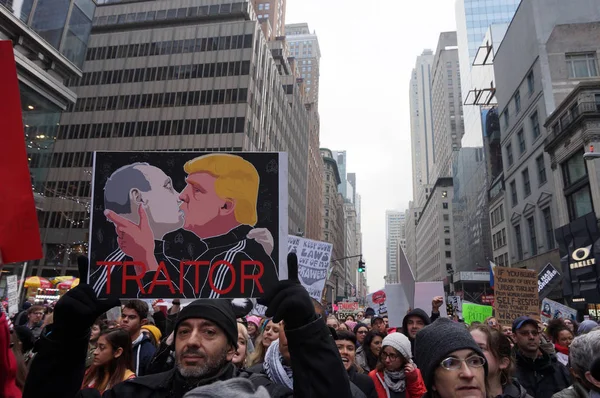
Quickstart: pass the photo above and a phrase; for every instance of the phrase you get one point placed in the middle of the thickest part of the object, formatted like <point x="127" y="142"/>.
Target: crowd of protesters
<point x="207" y="349"/>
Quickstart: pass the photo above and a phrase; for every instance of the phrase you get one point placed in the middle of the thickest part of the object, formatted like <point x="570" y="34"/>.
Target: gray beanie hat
<point x="435" y="342"/>
<point x="400" y="342"/>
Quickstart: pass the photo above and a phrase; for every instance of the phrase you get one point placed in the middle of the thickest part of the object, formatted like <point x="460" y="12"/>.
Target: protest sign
<point x="425" y="292"/>
<point x="314" y="259"/>
<point x="553" y="310"/>
<point x="407" y="278"/>
<point x="377" y="301"/>
<point x="456" y="303"/>
<point x="12" y="294"/>
<point x="19" y="230"/>
<point x="548" y="279"/>
<point x="515" y="294"/>
<point x="347" y="306"/>
<point x="188" y="225"/>
<point x="475" y="312"/>
<point x="397" y="303"/>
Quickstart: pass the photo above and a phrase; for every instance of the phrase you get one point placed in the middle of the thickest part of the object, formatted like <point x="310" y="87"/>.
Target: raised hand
<point x="263" y="237"/>
<point x="288" y="300"/>
<point x="135" y="240"/>
<point x="77" y="310"/>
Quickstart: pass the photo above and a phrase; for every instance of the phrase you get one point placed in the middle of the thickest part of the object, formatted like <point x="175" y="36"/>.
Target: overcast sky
<point x="368" y="50"/>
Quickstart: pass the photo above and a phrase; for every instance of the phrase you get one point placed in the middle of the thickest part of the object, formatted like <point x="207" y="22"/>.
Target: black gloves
<point x="76" y="311"/>
<point x="289" y="301"/>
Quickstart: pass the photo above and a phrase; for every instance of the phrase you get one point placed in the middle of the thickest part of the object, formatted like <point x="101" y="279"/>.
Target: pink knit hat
<point x="254" y="319"/>
<point x="351" y="325"/>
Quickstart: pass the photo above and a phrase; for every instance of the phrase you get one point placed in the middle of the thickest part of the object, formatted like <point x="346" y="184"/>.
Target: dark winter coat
<point x="318" y="370"/>
<point x="143" y="351"/>
<point x="363" y="382"/>
<point x="514" y="390"/>
<point x="542" y="377"/>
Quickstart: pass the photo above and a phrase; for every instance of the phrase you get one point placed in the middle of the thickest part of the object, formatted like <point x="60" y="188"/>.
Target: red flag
<point x="19" y="231"/>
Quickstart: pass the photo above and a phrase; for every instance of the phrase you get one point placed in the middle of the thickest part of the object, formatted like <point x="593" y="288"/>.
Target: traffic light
<point x="361" y="266"/>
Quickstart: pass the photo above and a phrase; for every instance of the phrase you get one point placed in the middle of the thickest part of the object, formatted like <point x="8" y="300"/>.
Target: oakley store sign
<point x="579" y="247"/>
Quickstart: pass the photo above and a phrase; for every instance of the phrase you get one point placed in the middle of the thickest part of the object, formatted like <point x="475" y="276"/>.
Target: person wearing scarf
<point x="562" y="337"/>
<point x="396" y="375"/>
<point x="278" y="370"/>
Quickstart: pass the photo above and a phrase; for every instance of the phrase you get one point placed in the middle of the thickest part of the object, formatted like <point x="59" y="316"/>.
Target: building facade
<point x="314" y="178"/>
<point x="395" y="231"/>
<point x="351" y="249"/>
<point x="163" y="76"/>
<point x="434" y="234"/>
<point x="412" y="215"/>
<point x="271" y="16"/>
<point x="421" y="127"/>
<point x="304" y="46"/>
<point x="555" y="51"/>
<point x="447" y="107"/>
<point x="48" y="52"/>
<point x="341" y="160"/>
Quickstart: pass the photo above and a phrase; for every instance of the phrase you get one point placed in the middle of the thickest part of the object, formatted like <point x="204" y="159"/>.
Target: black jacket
<point x="543" y="376"/>
<point x="58" y="368"/>
<point x="363" y="382"/>
<point x="514" y="390"/>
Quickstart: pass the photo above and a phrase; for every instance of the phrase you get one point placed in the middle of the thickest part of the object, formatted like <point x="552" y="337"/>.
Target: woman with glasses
<point x="396" y="374"/>
<point x="451" y="363"/>
<point x="360" y="330"/>
<point x="368" y="354"/>
<point x="497" y="350"/>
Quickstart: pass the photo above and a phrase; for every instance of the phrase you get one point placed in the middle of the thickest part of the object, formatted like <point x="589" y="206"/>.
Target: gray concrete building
<point x="435" y="234"/>
<point x="49" y="43"/>
<point x="548" y="49"/>
<point x="170" y="76"/>
<point x="395" y="232"/>
<point x="412" y="217"/>
<point x="447" y="105"/>
<point x="304" y="46"/>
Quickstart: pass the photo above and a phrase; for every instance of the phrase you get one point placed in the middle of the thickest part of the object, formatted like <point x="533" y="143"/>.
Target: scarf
<point x="561" y="349"/>
<point x="276" y="371"/>
<point x="395" y="381"/>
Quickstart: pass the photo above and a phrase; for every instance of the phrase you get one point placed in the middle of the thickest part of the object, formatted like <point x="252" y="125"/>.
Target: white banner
<point x="12" y="294"/>
<point x="314" y="258"/>
<point x="456" y="302"/>
<point x="397" y="304"/>
<point x="553" y="310"/>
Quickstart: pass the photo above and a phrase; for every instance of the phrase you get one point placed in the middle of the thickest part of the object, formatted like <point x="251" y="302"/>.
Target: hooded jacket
<point x="543" y="376"/>
<point x="143" y="351"/>
<point x="421" y="314"/>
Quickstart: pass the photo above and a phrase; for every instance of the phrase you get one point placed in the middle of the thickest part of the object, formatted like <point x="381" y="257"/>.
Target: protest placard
<point x="548" y="279"/>
<point x="347" y="306"/>
<point x="397" y="303"/>
<point x="553" y="310"/>
<point x="12" y="294"/>
<point x="377" y="301"/>
<point x="425" y="292"/>
<point x="456" y="303"/>
<point x="188" y="225"/>
<point x="476" y="313"/>
<point x="314" y="259"/>
<point x="515" y="294"/>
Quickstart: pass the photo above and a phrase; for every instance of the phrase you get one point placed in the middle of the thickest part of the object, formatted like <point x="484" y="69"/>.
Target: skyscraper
<point x="271" y="16"/>
<point x="340" y="158"/>
<point x="304" y="46"/>
<point x="394" y="232"/>
<point x="421" y="127"/>
<point x="161" y="76"/>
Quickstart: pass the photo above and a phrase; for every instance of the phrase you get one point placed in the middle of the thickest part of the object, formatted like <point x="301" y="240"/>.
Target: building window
<point x="446" y="229"/>
<point x="447" y="242"/>
<point x="326" y="212"/>
<point x="445" y="205"/>
<point x="513" y="193"/>
<point x="444" y="194"/>
<point x="541" y="169"/>
<point x="526" y="183"/>
<point x="267" y="6"/>
<point x="549" y="228"/>
<point x="448" y="254"/>
<point x="509" y="154"/>
<point x="582" y="65"/>
<point x="326" y="224"/>
<point x="446" y="217"/>
<point x="506" y="118"/>
<point x="261" y="7"/>
<point x="518" y="102"/>
<point x="521" y="138"/>
<point x="519" y="242"/>
<point x="577" y="186"/>
<point x="530" y="82"/>
<point x="535" y="125"/>
<point x="532" y="236"/>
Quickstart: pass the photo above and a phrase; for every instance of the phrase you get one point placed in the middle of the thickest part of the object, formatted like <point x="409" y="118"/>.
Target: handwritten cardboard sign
<point x="12" y="294"/>
<point x="314" y="259"/>
<point x="515" y="294"/>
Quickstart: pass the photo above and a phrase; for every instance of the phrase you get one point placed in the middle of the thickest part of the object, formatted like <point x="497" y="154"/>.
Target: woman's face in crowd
<point x="343" y="326"/>
<point x="565" y="338"/>
<point x="376" y="345"/>
<point x="347" y="352"/>
<point x="104" y="352"/>
<point x="391" y="359"/>
<point x="493" y="323"/>
<point x="361" y="334"/>
<point x="350" y="318"/>
<point x="251" y="328"/>
<point x="333" y="323"/>
<point x="465" y="382"/>
<point x="95" y="333"/>
<point x="569" y="324"/>
<point x="481" y="340"/>
<point x="240" y="354"/>
<point x="360" y="316"/>
<point x="507" y="331"/>
<point x="270" y="334"/>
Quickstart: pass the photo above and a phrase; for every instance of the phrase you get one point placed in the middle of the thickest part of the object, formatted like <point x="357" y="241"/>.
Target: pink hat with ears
<point x="254" y="319"/>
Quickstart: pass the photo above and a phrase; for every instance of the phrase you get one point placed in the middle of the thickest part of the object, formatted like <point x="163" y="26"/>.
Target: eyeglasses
<point x="385" y="355"/>
<point x="474" y="361"/>
<point x="524" y="333"/>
